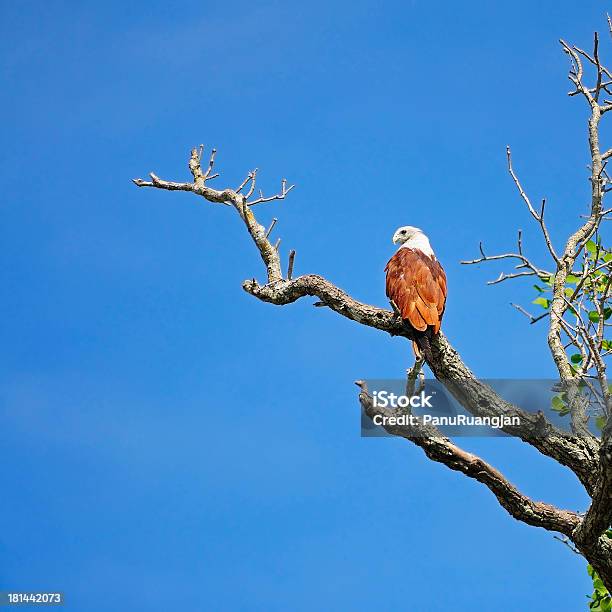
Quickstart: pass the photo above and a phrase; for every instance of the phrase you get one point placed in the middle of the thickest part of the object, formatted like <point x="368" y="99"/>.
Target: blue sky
<point x="169" y="442"/>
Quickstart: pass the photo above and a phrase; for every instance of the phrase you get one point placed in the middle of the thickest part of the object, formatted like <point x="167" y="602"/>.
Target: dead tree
<point x="579" y="284"/>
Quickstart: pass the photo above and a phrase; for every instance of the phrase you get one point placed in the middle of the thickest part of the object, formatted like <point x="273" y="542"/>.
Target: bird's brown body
<point x="416" y="285"/>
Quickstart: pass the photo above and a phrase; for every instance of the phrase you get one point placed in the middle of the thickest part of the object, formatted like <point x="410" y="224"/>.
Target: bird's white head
<point x="412" y="238"/>
<point x="405" y="233"/>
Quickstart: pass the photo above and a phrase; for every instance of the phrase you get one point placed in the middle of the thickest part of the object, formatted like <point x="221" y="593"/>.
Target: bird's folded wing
<point x="416" y="284"/>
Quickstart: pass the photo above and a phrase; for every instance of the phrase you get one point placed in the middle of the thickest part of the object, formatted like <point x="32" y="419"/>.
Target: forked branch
<point x="440" y="449"/>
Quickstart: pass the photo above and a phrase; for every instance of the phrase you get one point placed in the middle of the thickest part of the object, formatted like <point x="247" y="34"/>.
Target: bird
<point x="416" y="287"/>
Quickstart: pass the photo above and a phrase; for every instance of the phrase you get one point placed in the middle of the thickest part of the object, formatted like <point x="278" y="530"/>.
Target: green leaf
<point x="593" y="316"/>
<point x="607" y="312"/>
<point x="543" y="302"/>
<point x="539" y="289"/>
<point x="600" y="599"/>
<point x="576" y="358"/>
<point x="590" y="570"/>
<point x="600" y="422"/>
<point x="591" y="247"/>
<point x="557" y="403"/>
<point x="572" y="279"/>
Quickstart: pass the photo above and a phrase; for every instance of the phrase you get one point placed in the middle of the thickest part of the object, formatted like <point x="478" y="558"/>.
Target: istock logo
<point x="384" y="399"/>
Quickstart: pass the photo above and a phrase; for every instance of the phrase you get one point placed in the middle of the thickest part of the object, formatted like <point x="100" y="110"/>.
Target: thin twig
<point x="274" y="220"/>
<point x="290" y="266"/>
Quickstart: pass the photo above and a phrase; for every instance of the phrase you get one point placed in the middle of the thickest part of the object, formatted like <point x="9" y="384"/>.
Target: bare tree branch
<point x="442" y="450"/>
<point x="524" y="263"/>
<point x="290" y="265"/>
<point x="279" y="196"/>
<point x="532" y="319"/>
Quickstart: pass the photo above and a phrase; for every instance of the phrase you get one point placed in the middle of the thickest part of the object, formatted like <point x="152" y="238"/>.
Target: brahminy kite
<point x="416" y="286"/>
